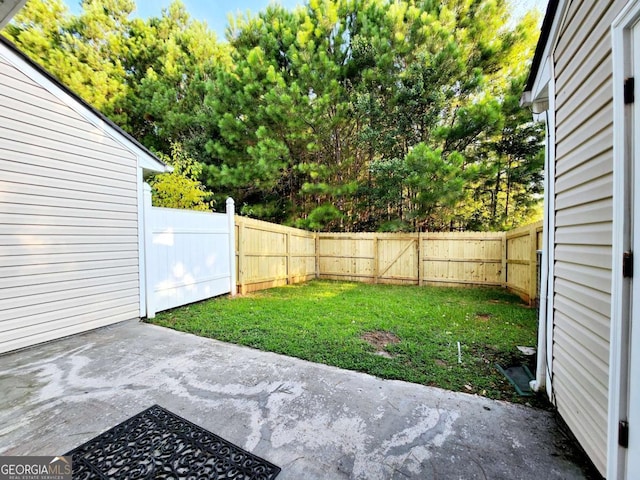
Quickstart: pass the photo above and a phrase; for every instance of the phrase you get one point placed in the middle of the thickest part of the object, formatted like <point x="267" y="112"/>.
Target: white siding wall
<point x="584" y="212"/>
<point x="68" y="219"/>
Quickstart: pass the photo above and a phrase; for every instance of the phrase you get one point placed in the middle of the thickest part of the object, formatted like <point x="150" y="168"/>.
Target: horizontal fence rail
<point x="269" y="255"/>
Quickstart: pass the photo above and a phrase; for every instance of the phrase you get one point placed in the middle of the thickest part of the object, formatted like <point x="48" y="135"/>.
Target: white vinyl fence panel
<point x="188" y="255"/>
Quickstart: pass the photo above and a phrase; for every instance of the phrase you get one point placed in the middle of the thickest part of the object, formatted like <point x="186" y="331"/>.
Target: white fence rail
<point x="190" y="255"/>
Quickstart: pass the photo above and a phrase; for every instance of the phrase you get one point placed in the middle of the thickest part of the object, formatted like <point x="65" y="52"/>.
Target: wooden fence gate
<point x="368" y="257"/>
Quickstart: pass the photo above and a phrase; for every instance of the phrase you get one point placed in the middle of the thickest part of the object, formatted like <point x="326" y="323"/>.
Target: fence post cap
<point x="146" y="187"/>
<point x="230" y="201"/>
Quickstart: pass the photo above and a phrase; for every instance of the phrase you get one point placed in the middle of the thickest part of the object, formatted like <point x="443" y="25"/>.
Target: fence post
<point x="241" y="259"/>
<point x="317" y="252"/>
<point x="148" y="245"/>
<point x="420" y="261"/>
<point x="533" y="264"/>
<point x="505" y="265"/>
<point x="288" y="259"/>
<point x="231" y="222"/>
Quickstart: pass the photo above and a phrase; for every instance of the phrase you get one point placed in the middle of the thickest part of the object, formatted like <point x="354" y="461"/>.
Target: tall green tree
<point x="85" y="52"/>
<point x="170" y="63"/>
<point x="337" y="115"/>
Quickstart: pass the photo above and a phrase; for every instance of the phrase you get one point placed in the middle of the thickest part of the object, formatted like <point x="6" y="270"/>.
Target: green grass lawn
<point x="327" y="322"/>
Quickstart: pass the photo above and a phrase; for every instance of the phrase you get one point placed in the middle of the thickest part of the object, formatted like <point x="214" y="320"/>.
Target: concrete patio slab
<point x="314" y="421"/>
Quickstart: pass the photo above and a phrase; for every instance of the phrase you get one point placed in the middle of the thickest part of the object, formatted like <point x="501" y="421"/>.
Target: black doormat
<point x="159" y="444"/>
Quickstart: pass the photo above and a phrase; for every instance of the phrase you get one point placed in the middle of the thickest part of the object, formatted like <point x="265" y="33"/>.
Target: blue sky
<point x="215" y="12"/>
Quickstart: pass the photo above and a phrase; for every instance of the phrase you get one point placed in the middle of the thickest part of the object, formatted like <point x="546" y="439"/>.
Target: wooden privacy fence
<point x="416" y="259"/>
<point x="270" y="255"/>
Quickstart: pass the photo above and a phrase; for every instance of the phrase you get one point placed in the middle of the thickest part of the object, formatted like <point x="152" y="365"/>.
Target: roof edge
<point x="545" y="32"/>
<point x="8" y="10"/>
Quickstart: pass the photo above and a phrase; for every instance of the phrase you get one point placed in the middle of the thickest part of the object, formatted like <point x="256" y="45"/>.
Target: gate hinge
<point x="627" y="264"/>
<point x="623" y="434"/>
<point x="629" y="90"/>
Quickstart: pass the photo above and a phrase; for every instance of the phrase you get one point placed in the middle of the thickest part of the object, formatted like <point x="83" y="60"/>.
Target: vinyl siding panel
<point x="61" y="285"/>
<point x="48" y="200"/>
<point x="584" y="418"/>
<point x="593" y="324"/>
<point x="22" y="84"/>
<point x="58" y="302"/>
<point x="62" y="278"/>
<point x="51" y="210"/>
<point x="599" y="144"/>
<point x="39" y="269"/>
<point x="16" y="99"/>
<point x="576" y="87"/>
<point x="68" y="219"/>
<point x="14" y="172"/>
<point x="590" y="22"/>
<point x="58" y="133"/>
<point x="35" y="154"/>
<point x="47" y="111"/>
<point x="572" y="26"/>
<point x="55" y="119"/>
<point x="589" y="298"/>
<point x="584" y="215"/>
<point x="592" y="255"/>
<point x="585" y="276"/>
<point x="76" y="257"/>
<point x="596" y="190"/>
<point x="597" y="101"/>
<point x="74" y="321"/>
<point x="594" y="212"/>
<point x="585" y="234"/>
<point x="584" y="168"/>
<point x="15" y="133"/>
<point x="40" y="178"/>
<point x="61" y="196"/>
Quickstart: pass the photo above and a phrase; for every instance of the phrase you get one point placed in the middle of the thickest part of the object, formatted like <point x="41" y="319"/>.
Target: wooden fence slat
<point x="316" y="242"/>
<point x="376" y="261"/>
<point x="241" y="258"/>
<point x="288" y="270"/>
<point x="503" y="270"/>
<point x="421" y="259"/>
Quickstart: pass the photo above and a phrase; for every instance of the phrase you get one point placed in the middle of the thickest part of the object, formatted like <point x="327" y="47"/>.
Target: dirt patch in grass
<point x="379" y="339"/>
<point x="483" y="317"/>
